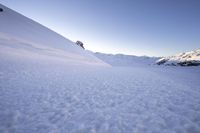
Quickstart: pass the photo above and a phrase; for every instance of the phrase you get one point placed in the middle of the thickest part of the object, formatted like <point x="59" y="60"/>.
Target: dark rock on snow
<point x="79" y="43"/>
<point x="1" y="9"/>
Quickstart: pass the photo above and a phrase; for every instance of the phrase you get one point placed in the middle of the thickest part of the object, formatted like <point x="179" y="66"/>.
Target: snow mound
<point x="21" y="36"/>
<point x="191" y="58"/>
<point x="126" y="60"/>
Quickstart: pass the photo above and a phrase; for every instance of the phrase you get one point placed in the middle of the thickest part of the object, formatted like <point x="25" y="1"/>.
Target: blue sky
<point x="137" y="27"/>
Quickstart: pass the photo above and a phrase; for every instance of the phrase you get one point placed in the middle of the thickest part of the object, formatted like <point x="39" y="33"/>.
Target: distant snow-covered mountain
<point x="191" y="58"/>
<point x="126" y="60"/>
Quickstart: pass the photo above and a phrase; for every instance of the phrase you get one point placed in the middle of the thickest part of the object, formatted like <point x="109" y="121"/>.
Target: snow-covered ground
<point x="52" y="96"/>
<point x="53" y="86"/>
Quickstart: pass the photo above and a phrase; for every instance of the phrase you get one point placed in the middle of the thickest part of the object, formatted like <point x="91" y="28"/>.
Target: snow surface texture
<point x="191" y="58"/>
<point x="37" y="96"/>
<point x="126" y="60"/>
<point x="43" y="89"/>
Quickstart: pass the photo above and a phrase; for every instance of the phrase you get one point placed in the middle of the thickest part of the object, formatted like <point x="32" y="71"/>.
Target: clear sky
<point x="137" y="27"/>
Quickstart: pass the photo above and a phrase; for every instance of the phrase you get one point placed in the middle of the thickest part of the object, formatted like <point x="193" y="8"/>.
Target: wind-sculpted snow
<point x="53" y="96"/>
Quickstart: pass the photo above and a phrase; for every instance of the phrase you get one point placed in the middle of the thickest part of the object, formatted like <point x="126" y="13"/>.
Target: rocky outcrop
<point x="79" y="43"/>
<point x="1" y="9"/>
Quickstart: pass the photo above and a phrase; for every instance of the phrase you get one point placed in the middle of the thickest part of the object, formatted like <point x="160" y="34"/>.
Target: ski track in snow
<point x="55" y="97"/>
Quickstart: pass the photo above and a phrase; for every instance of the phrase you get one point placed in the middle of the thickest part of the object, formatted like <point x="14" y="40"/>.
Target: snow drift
<point x="21" y="36"/>
<point x="191" y="58"/>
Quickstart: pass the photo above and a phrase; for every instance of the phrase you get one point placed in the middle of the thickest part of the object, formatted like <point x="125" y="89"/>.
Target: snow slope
<point x="126" y="60"/>
<point x="191" y="58"/>
<point x="50" y="85"/>
<point x="22" y="36"/>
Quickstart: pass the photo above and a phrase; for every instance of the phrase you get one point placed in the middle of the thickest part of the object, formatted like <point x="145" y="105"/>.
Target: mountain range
<point x="191" y="58"/>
